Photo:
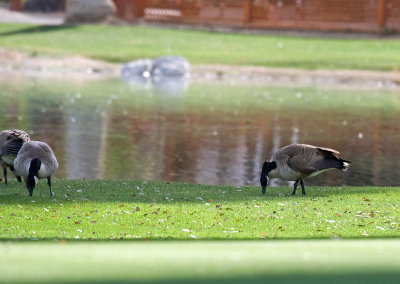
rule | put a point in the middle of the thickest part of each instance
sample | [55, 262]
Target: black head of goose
[35, 161]
[298, 161]
[11, 142]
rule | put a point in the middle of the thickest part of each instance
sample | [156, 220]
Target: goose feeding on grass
[35, 161]
[299, 161]
[11, 142]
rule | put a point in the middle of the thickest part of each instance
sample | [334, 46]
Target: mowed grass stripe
[350, 261]
[118, 209]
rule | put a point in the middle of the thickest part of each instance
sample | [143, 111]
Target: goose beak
[264, 188]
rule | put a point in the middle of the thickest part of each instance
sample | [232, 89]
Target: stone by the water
[170, 66]
[80, 11]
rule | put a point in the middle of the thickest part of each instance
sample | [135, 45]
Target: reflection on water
[209, 134]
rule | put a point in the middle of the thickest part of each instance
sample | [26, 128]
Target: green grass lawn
[107, 231]
[125, 43]
[113, 209]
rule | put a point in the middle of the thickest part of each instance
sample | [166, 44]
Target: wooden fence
[323, 15]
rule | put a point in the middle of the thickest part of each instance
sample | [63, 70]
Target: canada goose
[10, 143]
[35, 161]
[299, 161]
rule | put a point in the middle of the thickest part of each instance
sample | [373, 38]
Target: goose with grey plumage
[299, 161]
[35, 161]
[11, 142]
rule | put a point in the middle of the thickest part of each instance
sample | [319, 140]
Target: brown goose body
[11, 142]
[298, 161]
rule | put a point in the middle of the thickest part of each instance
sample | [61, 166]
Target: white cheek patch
[36, 179]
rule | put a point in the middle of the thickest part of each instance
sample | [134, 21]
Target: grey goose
[298, 161]
[35, 161]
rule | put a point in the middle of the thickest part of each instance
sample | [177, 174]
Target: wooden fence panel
[393, 15]
[334, 15]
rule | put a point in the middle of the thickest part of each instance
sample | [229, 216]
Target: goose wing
[328, 152]
[301, 163]
[11, 148]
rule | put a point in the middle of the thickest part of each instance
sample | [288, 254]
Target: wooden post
[247, 11]
[221, 9]
[141, 5]
[16, 5]
[382, 15]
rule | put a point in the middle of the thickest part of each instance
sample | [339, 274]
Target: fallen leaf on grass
[365, 199]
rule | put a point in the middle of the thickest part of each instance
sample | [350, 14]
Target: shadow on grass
[36, 29]
[168, 193]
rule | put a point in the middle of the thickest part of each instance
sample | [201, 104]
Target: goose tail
[344, 165]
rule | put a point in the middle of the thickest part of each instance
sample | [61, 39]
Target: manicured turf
[125, 43]
[228, 234]
[113, 209]
[321, 261]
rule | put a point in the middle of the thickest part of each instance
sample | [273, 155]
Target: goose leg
[49, 184]
[16, 175]
[295, 187]
[303, 190]
[5, 174]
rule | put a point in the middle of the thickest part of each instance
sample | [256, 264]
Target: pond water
[217, 133]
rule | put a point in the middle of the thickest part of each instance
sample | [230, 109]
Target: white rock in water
[171, 66]
[88, 10]
[168, 74]
[141, 67]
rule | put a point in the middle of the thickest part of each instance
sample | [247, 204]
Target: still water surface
[203, 133]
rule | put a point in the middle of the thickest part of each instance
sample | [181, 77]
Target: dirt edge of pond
[76, 67]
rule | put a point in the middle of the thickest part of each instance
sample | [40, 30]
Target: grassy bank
[111, 209]
[121, 44]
